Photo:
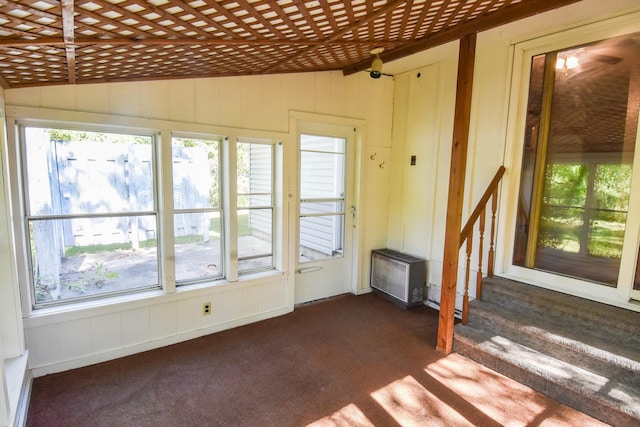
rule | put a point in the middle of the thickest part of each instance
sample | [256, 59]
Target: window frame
[522, 52]
[28, 217]
[272, 206]
[162, 131]
[220, 208]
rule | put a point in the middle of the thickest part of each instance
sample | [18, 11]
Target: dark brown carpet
[346, 361]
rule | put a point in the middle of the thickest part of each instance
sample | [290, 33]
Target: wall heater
[398, 277]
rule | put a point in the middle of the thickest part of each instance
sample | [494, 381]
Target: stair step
[620, 349]
[542, 301]
[561, 337]
[582, 353]
[603, 398]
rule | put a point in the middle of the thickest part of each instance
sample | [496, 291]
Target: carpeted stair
[582, 353]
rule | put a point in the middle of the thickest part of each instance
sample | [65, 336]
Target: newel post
[459, 147]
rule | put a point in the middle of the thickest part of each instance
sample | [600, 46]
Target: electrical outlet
[206, 308]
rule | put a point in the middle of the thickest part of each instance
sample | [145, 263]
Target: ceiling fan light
[376, 68]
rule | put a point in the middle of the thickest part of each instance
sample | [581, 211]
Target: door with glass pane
[578, 208]
[325, 215]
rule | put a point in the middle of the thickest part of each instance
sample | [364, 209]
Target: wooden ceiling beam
[495, 19]
[68, 36]
[3, 83]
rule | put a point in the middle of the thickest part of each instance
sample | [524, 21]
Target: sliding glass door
[577, 206]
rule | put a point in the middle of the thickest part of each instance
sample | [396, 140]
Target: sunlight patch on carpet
[409, 403]
[483, 388]
[350, 415]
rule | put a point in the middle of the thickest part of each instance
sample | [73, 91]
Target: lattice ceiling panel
[51, 42]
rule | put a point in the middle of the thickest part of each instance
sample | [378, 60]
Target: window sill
[86, 309]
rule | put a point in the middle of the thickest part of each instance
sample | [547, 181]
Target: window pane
[322, 237]
[255, 174]
[78, 172]
[321, 175]
[322, 184]
[195, 173]
[197, 235]
[255, 189]
[198, 246]
[255, 239]
[83, 257]
[582, 119]
[322, 143]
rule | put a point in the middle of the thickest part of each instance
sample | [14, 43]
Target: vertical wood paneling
[273, 105]
[181, 100]
[350, 100]
[75, 339]
[273, 295]
[422, 142]
[188, 313]
[249, 99]
[233, 305]
[60, 97]
[229, 105]
[252, 301]
[300, 93]
[106, 333]
[376, 176]
[124, 99]
[44, 345]
[155, 100]
[163, 320]
[93, 98]
[447, 87]
[395, 233]
[324, 85]
[135, 326]
[207, 100]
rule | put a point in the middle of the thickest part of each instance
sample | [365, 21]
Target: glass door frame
[523, 52]
[311, 123]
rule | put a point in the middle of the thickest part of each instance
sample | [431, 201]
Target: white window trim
[523, 50]
[273, 145]
[18, 116]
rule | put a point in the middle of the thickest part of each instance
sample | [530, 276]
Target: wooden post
[458, 168]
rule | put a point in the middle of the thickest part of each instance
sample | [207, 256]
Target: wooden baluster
[480, 250]
[465, 300]
[494, 208]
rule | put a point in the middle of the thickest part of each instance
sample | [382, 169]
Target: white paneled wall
[58, 340]
[423, 121]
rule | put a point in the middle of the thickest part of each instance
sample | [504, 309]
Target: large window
[94, 216]
[91, 213]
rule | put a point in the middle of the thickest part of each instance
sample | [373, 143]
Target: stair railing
[466, 235]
